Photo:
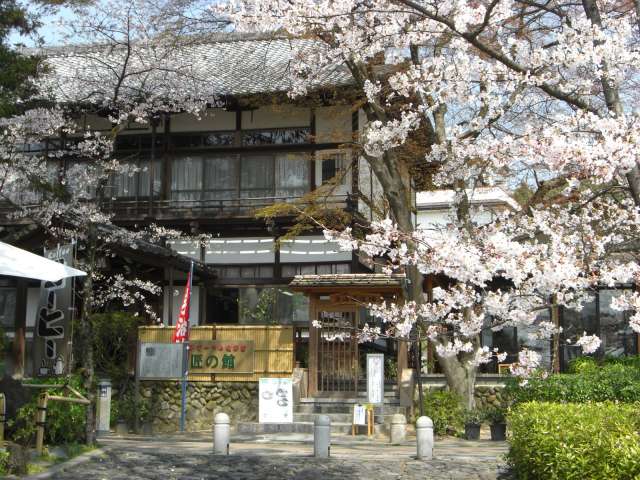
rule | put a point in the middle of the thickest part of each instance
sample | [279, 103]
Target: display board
[359, 415]
[375, 378]
[158, 361]
[275, 400]
[221, 356]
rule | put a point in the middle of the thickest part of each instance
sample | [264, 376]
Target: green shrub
[445, 409]
[611, 382]
[552, 441]
[65, 422]
[124, 408]
[4, 462]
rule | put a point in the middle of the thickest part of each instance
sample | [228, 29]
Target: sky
[50, 31]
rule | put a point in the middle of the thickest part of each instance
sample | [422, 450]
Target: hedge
[590, 383]
[574, 441]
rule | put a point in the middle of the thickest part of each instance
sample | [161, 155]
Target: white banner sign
[276, 400]
[375, 378]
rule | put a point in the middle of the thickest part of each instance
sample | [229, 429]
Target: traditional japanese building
[208, 177]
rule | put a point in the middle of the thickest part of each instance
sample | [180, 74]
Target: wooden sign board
[221, 356]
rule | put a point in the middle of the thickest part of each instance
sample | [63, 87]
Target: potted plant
[497, 423]
[472, 422]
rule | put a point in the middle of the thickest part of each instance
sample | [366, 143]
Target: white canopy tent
[15, 262]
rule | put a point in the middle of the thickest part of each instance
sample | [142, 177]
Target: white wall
[211, 119]
[312, 249]
[333, 124]
[276, 116]
[240, 251]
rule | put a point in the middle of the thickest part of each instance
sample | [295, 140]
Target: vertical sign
[375, 378]
[275, 404]
[52, 342]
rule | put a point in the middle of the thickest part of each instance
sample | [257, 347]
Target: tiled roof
[347, 280]
[226, 64]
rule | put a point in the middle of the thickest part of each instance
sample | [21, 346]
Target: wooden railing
[274, 352]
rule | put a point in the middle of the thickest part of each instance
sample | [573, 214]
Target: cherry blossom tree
[126, 62]
[494, 91]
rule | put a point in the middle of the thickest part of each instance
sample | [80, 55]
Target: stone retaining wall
[485, 396]
[237, 399]
[490, 396]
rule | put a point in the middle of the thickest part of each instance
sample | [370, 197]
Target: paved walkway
[190, 458]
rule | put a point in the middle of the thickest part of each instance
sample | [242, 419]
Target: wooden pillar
[403, 359]
[20, 329]
[41, 418]
[313, 346]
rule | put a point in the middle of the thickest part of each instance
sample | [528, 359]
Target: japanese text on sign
[221, 356]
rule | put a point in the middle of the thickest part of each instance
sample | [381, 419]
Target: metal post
[398, 428]
[322, 436]
[103, 416]
[41, 418]
[424, 438]
[3, 416]
[221, 431]
[183, 396]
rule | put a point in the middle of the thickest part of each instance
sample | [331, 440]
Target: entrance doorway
[337, 352]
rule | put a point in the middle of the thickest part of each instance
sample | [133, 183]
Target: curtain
[221, 177]
[186, 178]
[143, 176]
[256, 176]
[292, 175]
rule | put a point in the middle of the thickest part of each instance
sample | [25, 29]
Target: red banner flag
[181, 332]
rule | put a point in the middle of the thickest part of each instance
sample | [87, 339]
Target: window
[272, 305]
[231, 176]
[222, 305]
[186, 178]
[617, 337]
[331, 166]
[221, 177]
[256, 176]
[292, 175]
[133, 181]
[7, 307]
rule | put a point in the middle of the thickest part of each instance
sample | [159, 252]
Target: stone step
[344, 408]
[253, 428]
[390, 400]
[337, 417]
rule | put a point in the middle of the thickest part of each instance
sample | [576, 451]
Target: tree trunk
[86, 334]
[461, 378]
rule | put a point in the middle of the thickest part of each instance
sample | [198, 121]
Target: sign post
[375, 386]
[375, 378]
[181, 335]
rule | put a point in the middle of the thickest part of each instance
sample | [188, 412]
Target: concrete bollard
[322, 437]
[398, 428]
[221, 432]
[424, 437]
[103, 414]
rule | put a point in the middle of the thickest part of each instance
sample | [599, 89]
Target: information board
[159, 361]
[375, 378]
[276, 400]
[359, 415]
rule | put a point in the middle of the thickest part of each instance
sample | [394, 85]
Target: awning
[15, 262]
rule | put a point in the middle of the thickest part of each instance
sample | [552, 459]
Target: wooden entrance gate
[337, 349]
[335, 304]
